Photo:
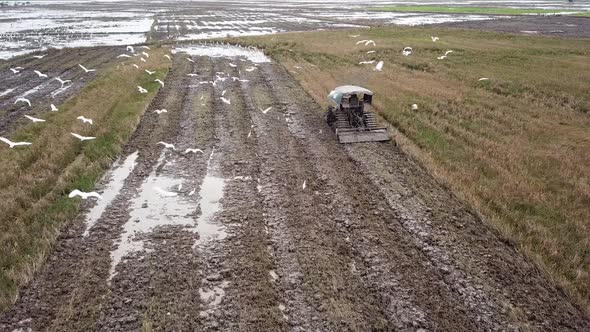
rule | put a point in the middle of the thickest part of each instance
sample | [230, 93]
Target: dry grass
[516, 147]
[35, 180]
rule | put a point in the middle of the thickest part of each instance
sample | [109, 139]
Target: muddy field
[556, 26]
[275, 226]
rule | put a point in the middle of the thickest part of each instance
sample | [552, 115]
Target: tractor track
[371, 242]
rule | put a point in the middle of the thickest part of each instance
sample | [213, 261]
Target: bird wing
[74, 193]
[6, 140]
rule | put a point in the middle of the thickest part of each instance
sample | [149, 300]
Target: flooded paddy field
[58, 24]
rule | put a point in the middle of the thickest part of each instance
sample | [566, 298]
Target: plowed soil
[310, 235]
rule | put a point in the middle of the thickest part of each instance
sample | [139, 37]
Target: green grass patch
[36, 180]
[473, 10]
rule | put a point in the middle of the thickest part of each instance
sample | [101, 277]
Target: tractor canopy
[336, 95]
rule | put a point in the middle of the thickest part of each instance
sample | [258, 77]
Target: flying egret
[141, 90]
[192, 75]
[84, 195]
[130, 49]
[146, 55]
[227, 101]
[83, 138]
[407, 51]
[361, 41]
[145, 47]
[167, 56]
[370, 42]
[371, 52]
[434, 39]
[136, 66]
[250, 69]
[484, 79]
[159, 81]
[190, 60]
[150, 72]
[39, 56]
[24, 100]
[40, 74]
[414, 107]
[232, 65]
[86, 70]
[84, 119]
[266, 110]
[161, 111]
[441, 57]
[13, 144]
[16, 70]
[167, 145]
[449, 51]
[189, 150]
[366, 62]
[34, 119]
[354, 36]
[379, 66]
[304, 185]
[142, 59]
[124, 56]
[62, 81]
[223, 92]
[53, 108]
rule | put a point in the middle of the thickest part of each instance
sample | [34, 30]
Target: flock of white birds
[407, 51]
[53, 108]
[17, 70]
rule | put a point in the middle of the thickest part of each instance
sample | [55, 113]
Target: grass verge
[516, 147]
[473, 10]
[36, 180]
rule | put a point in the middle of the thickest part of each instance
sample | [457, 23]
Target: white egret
[13, 144]
[83, 138]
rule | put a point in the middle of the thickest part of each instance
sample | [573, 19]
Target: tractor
[350, 118]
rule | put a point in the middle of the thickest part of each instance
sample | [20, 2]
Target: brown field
[515, 147]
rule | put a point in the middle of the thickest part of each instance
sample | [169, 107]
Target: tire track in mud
[316, 272]
[155, 285]
[252, 302]
[471, 253]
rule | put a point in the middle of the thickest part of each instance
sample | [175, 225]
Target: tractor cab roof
[336, 95]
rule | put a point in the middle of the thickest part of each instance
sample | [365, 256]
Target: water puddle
[217, 51]
[117, 178]
[162, 202]
[211, 194]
